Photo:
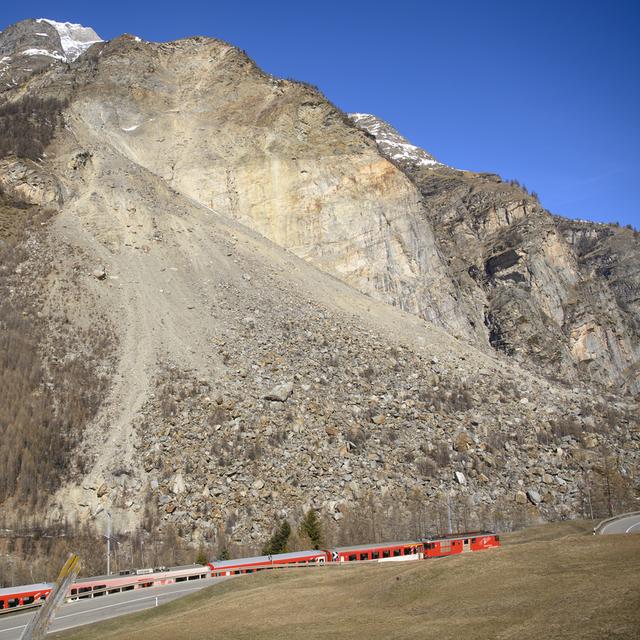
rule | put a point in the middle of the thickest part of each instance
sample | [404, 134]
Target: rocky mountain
[238, 303]
[562, 296]
[32, 45]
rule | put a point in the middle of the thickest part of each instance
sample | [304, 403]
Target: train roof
[24, 588]
[292, 555]
[117, 574]
[459, 536]
[376, 545]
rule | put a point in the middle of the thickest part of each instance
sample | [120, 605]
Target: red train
[436, 547]
[459, 543]
[31, 595]
[13, 598]
[27, 595]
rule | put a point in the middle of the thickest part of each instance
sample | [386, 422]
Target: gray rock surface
[280, 392]
[559, 295]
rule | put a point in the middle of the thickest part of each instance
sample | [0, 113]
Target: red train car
[377, 551]
[460, 543]
[15, 597]
[258, 563]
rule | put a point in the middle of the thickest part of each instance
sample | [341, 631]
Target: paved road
[629, 524]
[81, 612]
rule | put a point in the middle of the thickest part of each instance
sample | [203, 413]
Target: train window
[364, 556]
[466, 540]
[13, 602]
[375, 555]
[396, 553]
[27, 600]
[407, 551]
[473, 540]
[386, 553]
[1, 604]
[352, 557]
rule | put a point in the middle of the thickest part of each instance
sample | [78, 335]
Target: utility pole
[588, 488]
[108, 543]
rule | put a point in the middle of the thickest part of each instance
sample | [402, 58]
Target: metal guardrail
[24, 607]
[598, 529]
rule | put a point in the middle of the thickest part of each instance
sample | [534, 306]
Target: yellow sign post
[37, 628]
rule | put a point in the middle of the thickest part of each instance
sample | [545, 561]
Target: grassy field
[556, 581]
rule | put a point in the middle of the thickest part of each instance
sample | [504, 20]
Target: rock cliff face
[300, 318]
[205, 119]
[560, 295]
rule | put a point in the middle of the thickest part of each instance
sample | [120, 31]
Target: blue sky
[545, 92]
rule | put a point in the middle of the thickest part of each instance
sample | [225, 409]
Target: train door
[465, 545]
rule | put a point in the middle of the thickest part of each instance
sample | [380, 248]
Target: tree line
[28, 125]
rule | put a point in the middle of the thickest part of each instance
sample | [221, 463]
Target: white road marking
[118, 604]
[22, 626]
[633, 526]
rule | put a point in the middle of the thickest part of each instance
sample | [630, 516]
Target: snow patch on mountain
[393, 145]
[74, 38]
[42, 52]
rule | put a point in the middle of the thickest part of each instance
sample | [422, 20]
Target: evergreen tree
[224, 554]
[201, 558]
[311, 528]
[278, 541]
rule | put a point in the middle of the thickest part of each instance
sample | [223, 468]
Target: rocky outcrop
[555, 294]
[274, 155]
[391, 144]
[25, 181]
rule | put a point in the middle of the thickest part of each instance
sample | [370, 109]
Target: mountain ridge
[292, 318]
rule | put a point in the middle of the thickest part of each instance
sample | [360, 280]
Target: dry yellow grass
[562, 583]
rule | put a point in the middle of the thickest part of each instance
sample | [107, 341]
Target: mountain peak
[391, 143]
[34, 45]
[44, 39]
[75, 39]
